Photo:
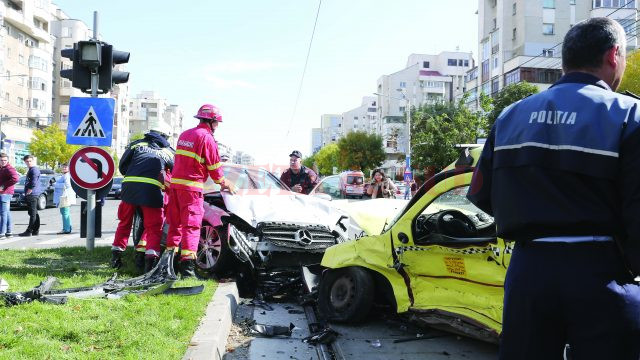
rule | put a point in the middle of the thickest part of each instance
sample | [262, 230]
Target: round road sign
[91, 168]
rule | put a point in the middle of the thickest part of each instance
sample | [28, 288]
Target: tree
[50, 146]
[631, 79]
[437, 128]
[327, 159]
[136, 136]
[360, 151]
[507, 96]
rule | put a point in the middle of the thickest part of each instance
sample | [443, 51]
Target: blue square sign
[90, 121]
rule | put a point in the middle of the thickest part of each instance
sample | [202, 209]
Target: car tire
[137, 227]
[346, 294]
[213, 256]
[42, 202]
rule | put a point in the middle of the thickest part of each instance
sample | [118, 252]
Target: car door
[448, 269]
[330, 186]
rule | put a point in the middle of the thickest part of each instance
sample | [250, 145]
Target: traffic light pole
[91, 194]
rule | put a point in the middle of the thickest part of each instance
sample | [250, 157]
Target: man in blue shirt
[32, 191]
[560, 174]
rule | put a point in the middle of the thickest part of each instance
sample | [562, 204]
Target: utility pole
[91, 194]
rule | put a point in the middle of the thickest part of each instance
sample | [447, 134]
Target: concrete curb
[210, 339]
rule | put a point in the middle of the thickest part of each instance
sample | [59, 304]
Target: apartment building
[243, 158]
[316, 140]
[173, 116]
[331, 125]
[26, 49]
[426, 79]
[363, 118]
[520, 40]
[146, 110]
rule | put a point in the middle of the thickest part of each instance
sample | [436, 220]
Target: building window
[401, 109]
[403, 84]
[611, 3]
[513, 34]
[549, 4]
[548, 52]
[495, 63]
[495, 85]
[495, 23]
[21, 59]
[572, 2]
[547, 29]
[20, 102]
[514, 9]
[425, 64]
[485, 71]
[466, 63]
[452, 62]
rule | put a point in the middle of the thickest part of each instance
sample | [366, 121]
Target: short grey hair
[587, 41]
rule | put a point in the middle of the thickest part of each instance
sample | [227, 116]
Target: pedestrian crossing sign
[90, 121]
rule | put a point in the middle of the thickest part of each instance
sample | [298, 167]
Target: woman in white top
[64, 197]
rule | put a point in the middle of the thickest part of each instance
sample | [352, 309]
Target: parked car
[44, 200]
[265, 226]
[116, 188]
[437, 261]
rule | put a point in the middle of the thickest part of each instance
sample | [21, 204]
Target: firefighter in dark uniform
[144, 165]
[560, 172]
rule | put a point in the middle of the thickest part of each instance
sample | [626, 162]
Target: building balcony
[17, 18]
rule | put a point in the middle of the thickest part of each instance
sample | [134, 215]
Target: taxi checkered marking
[468, 251]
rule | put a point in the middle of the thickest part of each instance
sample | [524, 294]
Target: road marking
[56, 241]
[13, 239]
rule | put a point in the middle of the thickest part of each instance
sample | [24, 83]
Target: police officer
[559, 173]
[143, 165]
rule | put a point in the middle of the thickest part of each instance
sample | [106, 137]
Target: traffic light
[108, 76]
[94, 57]
[79, 75]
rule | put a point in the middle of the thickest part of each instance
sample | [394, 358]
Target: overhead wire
[304, 70]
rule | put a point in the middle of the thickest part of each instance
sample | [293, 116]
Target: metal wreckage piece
[158, 280]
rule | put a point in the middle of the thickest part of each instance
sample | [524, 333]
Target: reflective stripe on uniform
[187, 182]
[143, 180]
[214, 166]
[116, 248]
[139, 144]
[190, 154]
[219, 181]
[170, 248]
[188, 254]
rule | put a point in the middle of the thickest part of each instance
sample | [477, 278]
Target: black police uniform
[560, 172]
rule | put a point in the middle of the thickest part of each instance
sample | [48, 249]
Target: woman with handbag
[64, 197]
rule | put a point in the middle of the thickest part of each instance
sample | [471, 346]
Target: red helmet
[209, 112]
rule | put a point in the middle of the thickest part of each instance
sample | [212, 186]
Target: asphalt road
[51, 223]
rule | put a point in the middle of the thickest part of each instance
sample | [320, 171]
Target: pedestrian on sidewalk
[143, 165]
[559, 173]
[8, 178]
[64, 197]
[32, 190]
[197, 159]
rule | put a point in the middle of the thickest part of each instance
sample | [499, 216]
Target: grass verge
[134, 327]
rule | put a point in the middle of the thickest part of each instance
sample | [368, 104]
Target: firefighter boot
[149, 263]
[138, 259]
[188, 268]
[116, 259]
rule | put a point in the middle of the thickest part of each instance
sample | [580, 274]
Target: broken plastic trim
[157, 281]
[272, 330]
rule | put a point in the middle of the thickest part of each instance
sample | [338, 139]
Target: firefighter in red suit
[196, 159]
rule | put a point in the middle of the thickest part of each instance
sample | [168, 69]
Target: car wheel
[346, 294]
[42, 202]
[213, 255]
[138, 226]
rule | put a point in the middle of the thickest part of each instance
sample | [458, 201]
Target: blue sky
[247, 57]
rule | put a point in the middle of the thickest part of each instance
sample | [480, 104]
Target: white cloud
[245, 66]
